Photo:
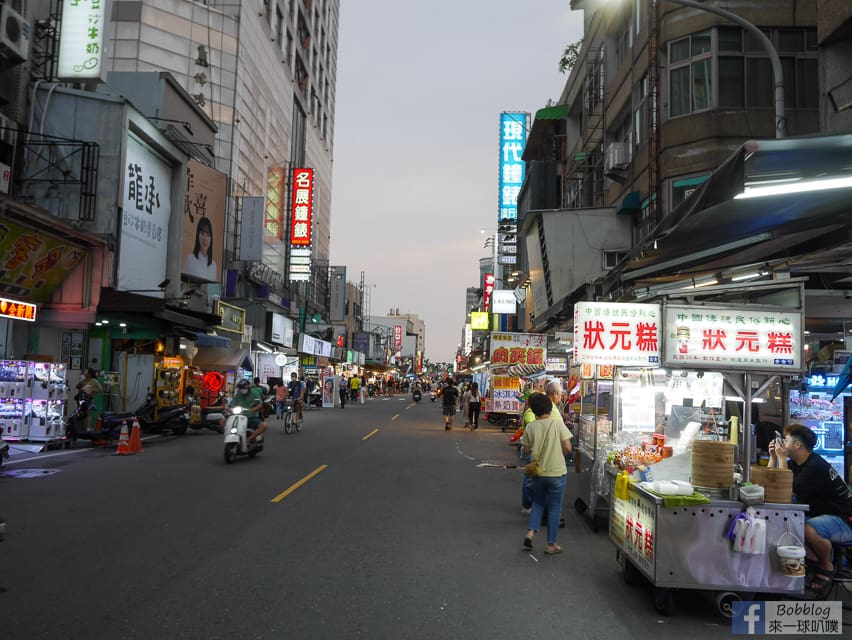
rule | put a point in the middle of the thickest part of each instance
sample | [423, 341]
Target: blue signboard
[513, 139]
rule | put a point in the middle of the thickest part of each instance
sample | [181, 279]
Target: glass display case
[32, 400]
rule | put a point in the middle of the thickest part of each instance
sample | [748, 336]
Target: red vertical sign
[397, 337]
[302, 209]
[487, 290]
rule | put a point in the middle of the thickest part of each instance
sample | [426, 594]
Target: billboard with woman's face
[203, 223]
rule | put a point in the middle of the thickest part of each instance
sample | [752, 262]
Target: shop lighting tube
[798, 187]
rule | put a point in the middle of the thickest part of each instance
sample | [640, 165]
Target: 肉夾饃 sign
[617, 333]
[233, 318]
[519, 349]
[733, 338]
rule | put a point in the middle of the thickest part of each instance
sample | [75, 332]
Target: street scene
[336, 319]
[412, 531]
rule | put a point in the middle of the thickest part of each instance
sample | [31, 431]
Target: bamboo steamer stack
[713, 464]
[777, 483]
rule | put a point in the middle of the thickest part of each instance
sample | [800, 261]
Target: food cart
[707, 358]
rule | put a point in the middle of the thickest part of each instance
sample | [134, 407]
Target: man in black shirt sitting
[817, 484]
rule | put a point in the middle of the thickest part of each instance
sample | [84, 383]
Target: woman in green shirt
[547, 440]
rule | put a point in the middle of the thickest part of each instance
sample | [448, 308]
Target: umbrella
[844, 380]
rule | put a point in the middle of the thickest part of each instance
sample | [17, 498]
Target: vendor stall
[673, 469]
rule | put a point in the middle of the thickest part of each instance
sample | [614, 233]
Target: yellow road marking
[371, 434]
[298, 484]
[395, 417]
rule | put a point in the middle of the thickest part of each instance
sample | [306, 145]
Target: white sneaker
[525, 511]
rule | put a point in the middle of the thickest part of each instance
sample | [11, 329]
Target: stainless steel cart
[686, 548]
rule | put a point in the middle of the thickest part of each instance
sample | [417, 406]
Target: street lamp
[777, 71]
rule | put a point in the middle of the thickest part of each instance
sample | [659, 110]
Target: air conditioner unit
[615, 156]
[15, 35]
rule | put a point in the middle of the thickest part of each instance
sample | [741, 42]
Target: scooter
[107, 429]
[415, 395]
[174, 419]
[236, 437]
[433, 395]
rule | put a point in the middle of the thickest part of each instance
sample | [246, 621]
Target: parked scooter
[107, 429]
[211, 417]
[173, 419]
[236, 437]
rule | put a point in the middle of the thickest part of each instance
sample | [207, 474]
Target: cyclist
[297, 393]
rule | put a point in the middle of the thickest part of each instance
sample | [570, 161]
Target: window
[682, 188]
[612, 258]
[640, 112]
[690, 74]
[741, 77]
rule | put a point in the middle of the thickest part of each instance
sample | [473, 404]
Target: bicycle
[292, 418]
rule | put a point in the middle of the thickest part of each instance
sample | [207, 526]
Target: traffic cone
[136, 437]
[123, 442]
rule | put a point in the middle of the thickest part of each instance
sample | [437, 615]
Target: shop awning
[115, 301]
[783, 199]
[548, 122]
[210, 340]
[375, 365]
[220, 359]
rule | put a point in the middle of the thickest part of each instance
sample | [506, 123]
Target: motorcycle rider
[251, 402]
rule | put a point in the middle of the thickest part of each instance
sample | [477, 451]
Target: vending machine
[812, 406]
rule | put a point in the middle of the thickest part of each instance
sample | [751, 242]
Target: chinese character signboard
[487, 290]
[203, 222]
[303, 202]
[633, 528]
[251, 228]
[82, 39]
[733, 338]
[504, 395]
[523, 354]
[273, 213]
[17, 310]
[233, 318]
[146, 209]
[32, 263]
[513, 139]
[397, 338]
[617, 333]
[479, 320]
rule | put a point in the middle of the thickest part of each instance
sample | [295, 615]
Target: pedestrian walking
[473, 401]
[281, 393]
[343, 390]
[449, 400]
[547, 440]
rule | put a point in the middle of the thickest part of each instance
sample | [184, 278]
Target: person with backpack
[449, 400]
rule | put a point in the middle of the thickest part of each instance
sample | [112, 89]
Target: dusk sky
[420, 88]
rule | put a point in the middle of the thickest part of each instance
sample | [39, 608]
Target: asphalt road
[410, 533]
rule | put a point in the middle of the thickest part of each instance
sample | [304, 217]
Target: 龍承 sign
[617, 333]
[755, 338]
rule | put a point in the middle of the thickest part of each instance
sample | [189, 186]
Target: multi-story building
[659, 98]
[241, 92]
